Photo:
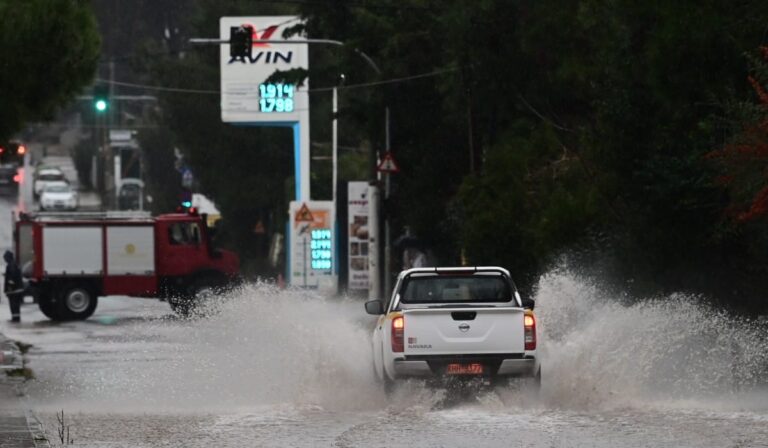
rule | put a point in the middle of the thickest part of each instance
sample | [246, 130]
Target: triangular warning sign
[304, 215]
[388, 164]
[259, 228]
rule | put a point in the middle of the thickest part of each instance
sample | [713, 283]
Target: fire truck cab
[71, 259]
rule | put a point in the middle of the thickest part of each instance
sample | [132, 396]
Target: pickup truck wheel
[77, 303]
[535, 382]
[389, 387]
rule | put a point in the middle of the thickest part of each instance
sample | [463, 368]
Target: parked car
[44, 176]
[58, 195]
[129, 194]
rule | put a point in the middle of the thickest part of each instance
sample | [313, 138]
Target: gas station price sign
[312, 242]
[276, 97]
[322, 253]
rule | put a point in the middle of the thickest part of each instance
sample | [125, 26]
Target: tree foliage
[555, 123]
[49, 51]
[532, 126]
[744, 160]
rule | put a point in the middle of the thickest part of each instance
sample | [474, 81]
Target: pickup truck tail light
[398, 332]
[529, 323]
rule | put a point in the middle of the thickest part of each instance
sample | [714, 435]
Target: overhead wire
[314, 90]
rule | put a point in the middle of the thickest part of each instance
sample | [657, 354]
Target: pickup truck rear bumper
[429, 367]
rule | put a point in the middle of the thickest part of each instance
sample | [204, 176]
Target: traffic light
[240, 41]
[101, 98]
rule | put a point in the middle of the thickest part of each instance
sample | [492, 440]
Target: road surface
[285, 368]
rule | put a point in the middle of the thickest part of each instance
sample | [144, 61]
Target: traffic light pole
[110, 120]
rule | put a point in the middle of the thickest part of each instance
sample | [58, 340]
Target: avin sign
[248, 99]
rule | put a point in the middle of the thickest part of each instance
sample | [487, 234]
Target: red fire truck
[73, 258]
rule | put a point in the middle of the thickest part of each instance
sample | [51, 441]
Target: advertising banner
[357, 207]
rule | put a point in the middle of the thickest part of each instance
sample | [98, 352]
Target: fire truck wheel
[77, 303]
[47, 307]
[182, 307]
[205, 289]
[203, 294]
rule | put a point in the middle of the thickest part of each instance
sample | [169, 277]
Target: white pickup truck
[455, 324]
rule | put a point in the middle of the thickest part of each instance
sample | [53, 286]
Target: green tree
[539, 125]
[561, 120]
[49, 51]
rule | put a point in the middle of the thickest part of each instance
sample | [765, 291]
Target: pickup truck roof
[448, 271]
[455, 270]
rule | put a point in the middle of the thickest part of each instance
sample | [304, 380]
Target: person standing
[14, 286]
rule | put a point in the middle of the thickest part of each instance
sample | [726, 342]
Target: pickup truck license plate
[464, 369]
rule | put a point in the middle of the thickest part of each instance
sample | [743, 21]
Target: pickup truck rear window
[455, 289]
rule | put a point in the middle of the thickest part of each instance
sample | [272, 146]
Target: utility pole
[335, 142]
[387, 237]
[335, 139]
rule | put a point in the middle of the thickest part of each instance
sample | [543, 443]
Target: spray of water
[598, 351]
[287, 348]
[268, 346]
[262, 347]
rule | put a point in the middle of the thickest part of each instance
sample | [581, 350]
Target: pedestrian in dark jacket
[14, 286]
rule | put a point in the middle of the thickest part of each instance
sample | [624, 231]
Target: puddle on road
[267, 347]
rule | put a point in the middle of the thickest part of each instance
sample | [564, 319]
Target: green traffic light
[101, 105]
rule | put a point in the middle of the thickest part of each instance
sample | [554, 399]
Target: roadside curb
[19, 427]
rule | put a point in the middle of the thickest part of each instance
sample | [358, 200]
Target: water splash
[266, 347]
[597, 350]
[263, 346]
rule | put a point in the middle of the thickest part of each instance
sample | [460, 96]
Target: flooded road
[286, 368]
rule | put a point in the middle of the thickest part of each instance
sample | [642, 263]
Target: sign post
[388, 165]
